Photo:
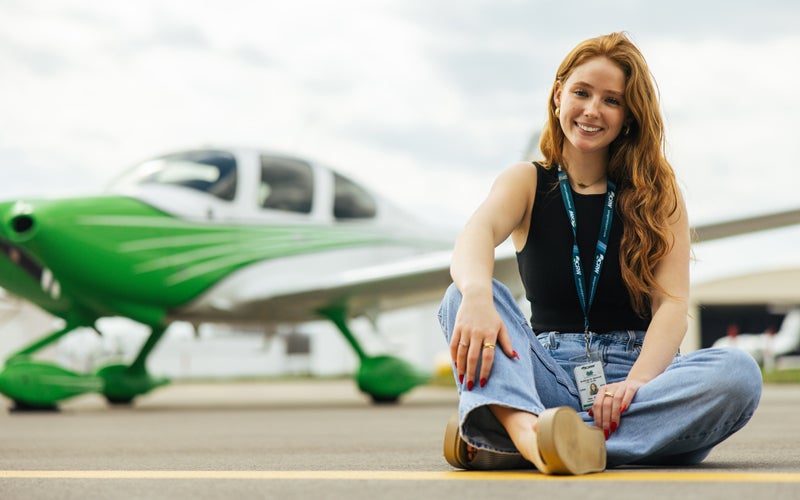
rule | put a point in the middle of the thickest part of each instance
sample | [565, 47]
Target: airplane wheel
[23, 407]
[120, 401]
[384, 400]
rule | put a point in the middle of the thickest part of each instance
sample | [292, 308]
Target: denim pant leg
[532, 383]
[700, 400]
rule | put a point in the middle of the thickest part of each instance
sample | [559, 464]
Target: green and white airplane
[237, 236]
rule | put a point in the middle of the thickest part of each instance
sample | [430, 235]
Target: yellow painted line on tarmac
[366, 475]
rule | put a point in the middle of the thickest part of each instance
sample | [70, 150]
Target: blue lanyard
[600, 250]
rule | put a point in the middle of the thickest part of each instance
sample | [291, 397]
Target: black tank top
[546, 270]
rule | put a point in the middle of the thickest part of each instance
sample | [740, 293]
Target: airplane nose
[21, 226]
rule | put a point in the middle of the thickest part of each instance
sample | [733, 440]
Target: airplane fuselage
[169, 246]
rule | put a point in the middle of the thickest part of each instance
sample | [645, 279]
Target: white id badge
[590, 377]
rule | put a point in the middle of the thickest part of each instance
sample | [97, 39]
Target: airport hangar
[754, 303]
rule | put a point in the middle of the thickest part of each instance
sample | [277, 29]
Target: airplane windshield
[213, 172]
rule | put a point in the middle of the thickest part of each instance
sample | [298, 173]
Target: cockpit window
[351, 200]
[213, 172]
[286, 184]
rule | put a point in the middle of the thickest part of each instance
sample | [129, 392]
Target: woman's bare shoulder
[521, 171]
[515, 191]
[523, 166]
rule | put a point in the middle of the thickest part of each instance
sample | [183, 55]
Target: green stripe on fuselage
[118, 255]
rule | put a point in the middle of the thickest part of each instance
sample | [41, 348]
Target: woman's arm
[504, 211]
[669, 308]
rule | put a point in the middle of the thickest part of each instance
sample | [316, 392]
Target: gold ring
[610, 394]
[463, 344]
[488, 345]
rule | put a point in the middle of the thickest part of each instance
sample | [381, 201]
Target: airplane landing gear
[39, 385]
[384, 378]
[36, 385]
[123, 383]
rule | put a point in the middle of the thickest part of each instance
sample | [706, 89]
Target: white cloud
[424, 105]
[729, 122]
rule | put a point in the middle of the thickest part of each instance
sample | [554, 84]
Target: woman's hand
[478, 330]
[611, 402]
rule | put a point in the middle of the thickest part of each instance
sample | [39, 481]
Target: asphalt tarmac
[322, 439]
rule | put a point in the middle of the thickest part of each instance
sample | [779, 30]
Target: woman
[602, 240]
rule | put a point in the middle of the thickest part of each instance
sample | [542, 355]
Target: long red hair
[647, 191]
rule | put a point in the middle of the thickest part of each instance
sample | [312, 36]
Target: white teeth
[588, 129]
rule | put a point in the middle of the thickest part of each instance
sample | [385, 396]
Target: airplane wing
[718, 230]
[403, 283]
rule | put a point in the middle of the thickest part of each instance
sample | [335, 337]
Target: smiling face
[592, 107]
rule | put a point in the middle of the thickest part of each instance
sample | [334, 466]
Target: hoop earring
[626, 130]
[557, 112]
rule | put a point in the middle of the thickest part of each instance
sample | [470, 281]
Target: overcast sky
[423, 101]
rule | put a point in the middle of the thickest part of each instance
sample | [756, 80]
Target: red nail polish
[460, 378]
[605, 431]
[483, 382]
[469, 385]
[591, 412]
[515, 354]
[623, 408]
[613, 426]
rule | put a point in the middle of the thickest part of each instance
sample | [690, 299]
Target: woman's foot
[567, 445]
[557, 441]
[463, 456]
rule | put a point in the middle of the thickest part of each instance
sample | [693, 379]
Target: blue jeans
[675, 419]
